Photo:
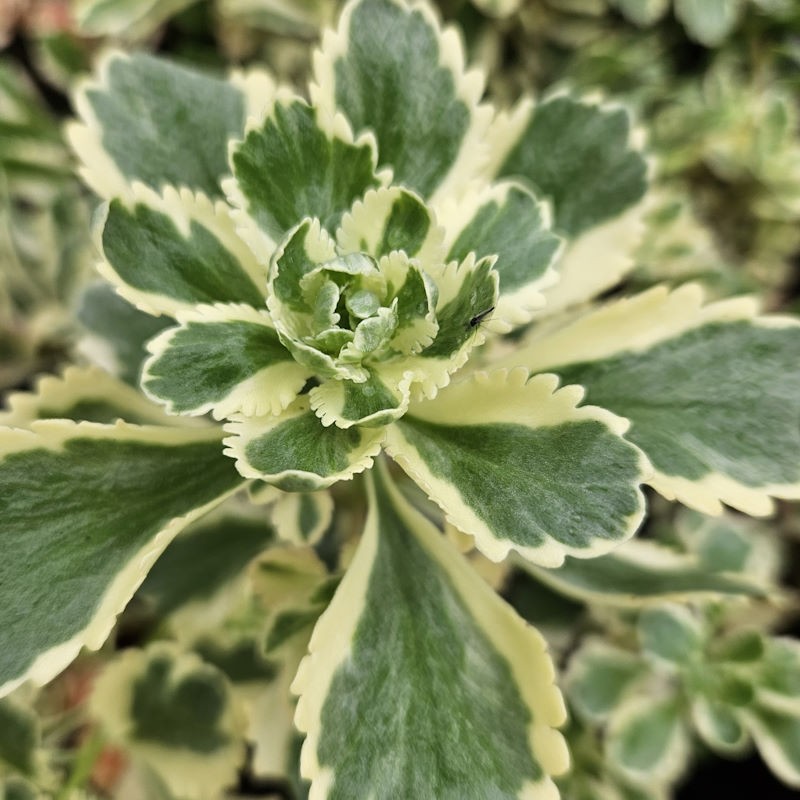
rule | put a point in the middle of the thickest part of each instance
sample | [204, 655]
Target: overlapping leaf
[411, 616]
[711, 391]
[520, 466]
[74, 552]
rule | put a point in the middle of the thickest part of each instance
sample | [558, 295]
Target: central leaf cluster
[342, 315]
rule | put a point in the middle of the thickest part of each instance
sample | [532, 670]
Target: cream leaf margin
[60, 393]
[648, 555]
[85, 135]
[469, 88]
[53, 435]
[533, 401]
[183, 207]
[268, 391]
[187, 773]
[522, 646]
[634, 324]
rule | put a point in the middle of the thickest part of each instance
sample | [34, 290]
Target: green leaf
[599, 677]
[167, 253]
[778, 678]
[471, 718]
[709, 21]
[391, 70]
[718, 726]
[291, 168]
[647, 741]
[149, 120]
[302, 517]
[508, 221]
[518, 465]
[74, 550]
[296, 453]
[390, 219]
[176, 714]
[222, 359]
[82, 394]
[373, 403]
[670, 633]
[204, 558]
[777, 737]
[19, 737]
[131, 19]
[580, 157]
[642, 12]
[712, 392]
[641, 572]
[117, 331]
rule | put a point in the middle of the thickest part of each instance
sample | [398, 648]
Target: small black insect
[478, 318]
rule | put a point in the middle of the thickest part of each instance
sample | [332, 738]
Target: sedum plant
[390, 284]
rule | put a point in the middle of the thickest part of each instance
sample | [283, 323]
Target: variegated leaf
[777, 737]
[647, 740]
[374, 402]
[130, 19]
[584, 159]
[473, 718]
[640, 573]
[116, 331]
[390, 219]
[149, 120]
[599, 677]
[176, 714]
[467, 292]
[295, 452]
[579, 156]
[778, 678]
[508, 221]
[166, 253]
[82, 394]
[719, 726]
[302, 517]
[392, 70]
[518, 465]
[74, 551]
[291, 168]
[222, 359]
[712, 392]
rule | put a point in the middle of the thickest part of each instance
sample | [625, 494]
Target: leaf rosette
[330, 267]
